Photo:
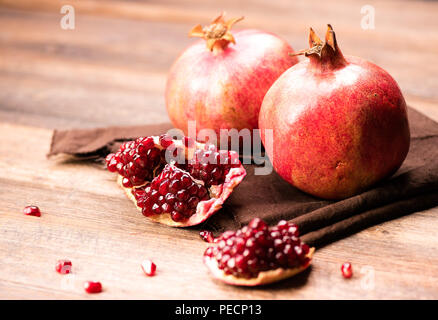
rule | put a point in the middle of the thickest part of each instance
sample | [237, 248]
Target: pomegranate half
[258, 254]
[179, 183]
[339, 122]
[221, 84]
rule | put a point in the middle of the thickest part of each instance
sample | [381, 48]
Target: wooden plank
[87, 219]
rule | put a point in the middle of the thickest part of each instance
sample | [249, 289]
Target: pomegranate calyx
[323, 55]
[217, 34]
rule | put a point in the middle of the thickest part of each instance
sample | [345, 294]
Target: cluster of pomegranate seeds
[347, 270]
[92, 286]
[136, 160]
[172, 191]
[148, 267]
[174, 188]
[257, 247]
[207, 236]
[32, 211]
[63, 266]
[211, 166]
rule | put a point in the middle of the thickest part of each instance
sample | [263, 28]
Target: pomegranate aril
[156, 208]
[257, 224]
[148, 267]
[109, 157]
[201, 191]
[207, 236]
[92, 286]
[182, 195]
[164, 186]
[63, 266]
[180, 207]
[165, 140]
[175, 186]
[148, 142]
[111, 162]
[170, 198]
[193, 189]
[177, 216]
[347, 270]
[138, 192]
[193, 202]
[126, 183]
[32, 211]
[147, 211]
[186, 181]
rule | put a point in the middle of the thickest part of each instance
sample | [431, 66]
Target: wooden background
[111, 70]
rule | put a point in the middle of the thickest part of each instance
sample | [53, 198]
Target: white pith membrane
[263, 277]
[205, 208]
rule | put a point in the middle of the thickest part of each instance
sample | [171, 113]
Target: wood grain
[114, 65]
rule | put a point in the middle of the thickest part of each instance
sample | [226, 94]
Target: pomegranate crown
[217, 34]
[326, 54]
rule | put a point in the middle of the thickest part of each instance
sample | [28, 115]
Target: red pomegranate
[339, 122]
[179, 183]
[221, 85]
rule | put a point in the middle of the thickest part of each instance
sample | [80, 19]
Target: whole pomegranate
[221, 84]
[339, 122]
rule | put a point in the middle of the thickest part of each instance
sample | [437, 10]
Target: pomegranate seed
[347, 270]
[207, 236]
[165, 140]
[32, 211]
[63, 266]
[92, 287]
[148, 267]
[126, 183]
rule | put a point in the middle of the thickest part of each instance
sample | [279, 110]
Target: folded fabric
[414, 187]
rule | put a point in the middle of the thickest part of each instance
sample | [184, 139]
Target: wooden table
[111, 70]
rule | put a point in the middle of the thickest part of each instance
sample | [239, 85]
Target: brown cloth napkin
[413, 188]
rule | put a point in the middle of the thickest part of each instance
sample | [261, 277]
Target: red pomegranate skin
[224, 89]
[338, 128]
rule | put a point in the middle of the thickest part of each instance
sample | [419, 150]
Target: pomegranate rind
[263, 278]
[205, 209]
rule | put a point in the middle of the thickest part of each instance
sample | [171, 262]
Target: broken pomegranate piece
[258, 254]
[176, 182]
